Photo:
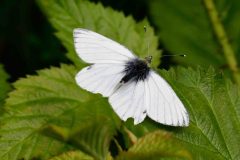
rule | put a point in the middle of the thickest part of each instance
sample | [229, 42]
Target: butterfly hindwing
[100, 78]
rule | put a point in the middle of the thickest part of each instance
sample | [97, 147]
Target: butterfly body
[133, 89]
[135, 70]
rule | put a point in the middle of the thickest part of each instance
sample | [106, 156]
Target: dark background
[27, 41]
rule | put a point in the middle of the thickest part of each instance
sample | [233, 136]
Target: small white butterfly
[134, 90]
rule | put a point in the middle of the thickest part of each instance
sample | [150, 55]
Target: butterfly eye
[148, 59]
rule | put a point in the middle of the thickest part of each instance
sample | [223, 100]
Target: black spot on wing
[89, 67]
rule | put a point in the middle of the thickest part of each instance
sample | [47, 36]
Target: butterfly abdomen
[135, 70]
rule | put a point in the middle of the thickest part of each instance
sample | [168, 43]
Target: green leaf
[4, 86]
[155, 145]
[214, 107]
[92, 137]
[73, 155]
[65, 15]
[186, 27]
[51, 97]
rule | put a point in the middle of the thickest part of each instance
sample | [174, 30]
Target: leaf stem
[118, 145]
[131, 136]
[222, 38]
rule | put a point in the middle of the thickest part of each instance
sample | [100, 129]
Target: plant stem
[222, 38]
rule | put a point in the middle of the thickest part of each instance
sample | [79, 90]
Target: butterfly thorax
[135, 70]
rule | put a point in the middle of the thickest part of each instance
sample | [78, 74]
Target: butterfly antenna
[174, 55]
[145, 30]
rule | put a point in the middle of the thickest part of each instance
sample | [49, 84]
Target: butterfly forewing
[163, 104]
[128, 101]
[95, 48]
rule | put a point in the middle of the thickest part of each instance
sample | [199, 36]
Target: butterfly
[133, 89]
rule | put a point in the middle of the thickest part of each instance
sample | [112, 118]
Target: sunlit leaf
[51, 97]
[156, 145]
[93, 137]
[65, 15]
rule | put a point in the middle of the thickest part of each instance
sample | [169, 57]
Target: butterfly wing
[128, 101]
[95, 48]
[153, 97]
[163, 105]
[100, 78]
[108, 59]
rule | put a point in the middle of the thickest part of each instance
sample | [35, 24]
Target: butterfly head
[148, 59]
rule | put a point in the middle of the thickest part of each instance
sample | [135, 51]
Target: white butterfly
[134, 90]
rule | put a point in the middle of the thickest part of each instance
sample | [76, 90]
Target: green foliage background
[47, 116]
